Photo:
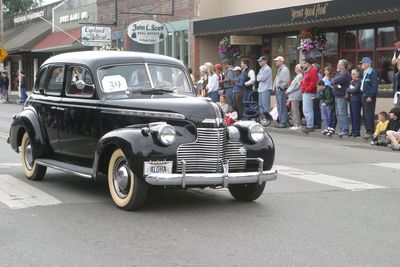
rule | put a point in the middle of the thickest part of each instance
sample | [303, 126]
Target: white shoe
[294, 128]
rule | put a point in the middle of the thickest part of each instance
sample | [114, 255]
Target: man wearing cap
[281, 83]
[264, 79]
[369, 89]
[308, 89]
[396, 66]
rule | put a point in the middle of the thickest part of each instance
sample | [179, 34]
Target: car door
[46, 99]
[79, 130]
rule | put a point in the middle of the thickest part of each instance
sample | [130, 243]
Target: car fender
[137, 147]
[28, 120]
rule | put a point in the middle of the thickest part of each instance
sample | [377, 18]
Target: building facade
[352, 29]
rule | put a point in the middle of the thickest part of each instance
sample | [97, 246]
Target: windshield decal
[114, 83]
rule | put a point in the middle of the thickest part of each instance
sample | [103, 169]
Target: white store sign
[74, 17]
[147, 31]
[95, 36]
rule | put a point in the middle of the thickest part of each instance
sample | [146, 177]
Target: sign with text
[3, 54]
[147, 31]
[95, 36]
[246, 40]
[28, 17]
[313, 12]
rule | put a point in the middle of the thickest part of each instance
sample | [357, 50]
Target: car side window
[40, 81]
[56, 81]
[80, 82]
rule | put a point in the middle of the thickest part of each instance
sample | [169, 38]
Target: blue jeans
[341, 114]
[264, 101]
[229, 96]
[308, 109]
[24, 96]
[355, 116]
[214, 96]
[281, 105]
[327, 116]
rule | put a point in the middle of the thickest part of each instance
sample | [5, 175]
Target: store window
[366, 39]
[175, 45]
[286, 47]
[386, 37]
[331, 52]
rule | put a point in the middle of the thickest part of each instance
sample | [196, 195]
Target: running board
[65, 167]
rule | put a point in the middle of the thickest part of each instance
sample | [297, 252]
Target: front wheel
[127, 190]
[32, 170]
[246, 192]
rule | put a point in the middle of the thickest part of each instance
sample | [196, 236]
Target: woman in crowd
[294, 96]
[212, 86]
[353, 94]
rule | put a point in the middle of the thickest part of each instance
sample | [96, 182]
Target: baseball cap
[237, 68]
[279, 58]
[366, 60]
[262, 58]
[218, 66]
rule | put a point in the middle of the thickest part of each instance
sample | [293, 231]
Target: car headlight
[256, 132]
[233, 133]
[166, 134]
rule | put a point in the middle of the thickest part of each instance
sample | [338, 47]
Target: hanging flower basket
[311, 41]
[226, 50]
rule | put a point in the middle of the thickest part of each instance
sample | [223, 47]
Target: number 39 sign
[114, 83]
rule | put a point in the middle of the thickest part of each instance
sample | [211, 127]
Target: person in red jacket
[309, 88]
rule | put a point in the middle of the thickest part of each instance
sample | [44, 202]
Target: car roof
[96, 59]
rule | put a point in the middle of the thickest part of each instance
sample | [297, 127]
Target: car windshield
[123, 81]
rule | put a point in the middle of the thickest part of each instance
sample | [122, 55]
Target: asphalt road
[335, 203]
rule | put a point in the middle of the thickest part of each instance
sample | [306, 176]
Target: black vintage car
[134, 118]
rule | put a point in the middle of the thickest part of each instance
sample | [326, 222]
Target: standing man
[369, 89]
[396, 66]
[308, 89]
[264, 79]
[2, 90]
[228, 84]
[249, 78]
[340, 83]
[281, 83]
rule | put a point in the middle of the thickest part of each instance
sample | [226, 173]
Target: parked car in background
[134, 119]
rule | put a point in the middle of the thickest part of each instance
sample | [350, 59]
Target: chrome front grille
[208, 152]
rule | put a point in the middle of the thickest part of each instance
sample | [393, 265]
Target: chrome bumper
[184, 179]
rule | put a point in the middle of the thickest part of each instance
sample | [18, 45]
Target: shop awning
[24, 37]
[329, 13]
[60, 41]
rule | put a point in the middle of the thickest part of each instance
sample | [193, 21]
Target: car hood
[199, 110]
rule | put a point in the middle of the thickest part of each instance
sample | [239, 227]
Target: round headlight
[256, 132]
[234, 134]
[166, 134]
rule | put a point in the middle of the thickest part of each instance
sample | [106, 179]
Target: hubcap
[121, 178]
[28, 155]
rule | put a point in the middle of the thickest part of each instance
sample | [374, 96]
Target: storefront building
[68, 19]
[22, 32]
[351, 29]
[177, 16]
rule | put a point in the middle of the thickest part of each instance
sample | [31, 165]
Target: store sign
[147, 31]
[28, 17]
[313, 12]
[74, 17]
[95, 36]
[246, 40]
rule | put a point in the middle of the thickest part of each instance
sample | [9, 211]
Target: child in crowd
[231, 117]
[394, 137]
[394, 122]
[380, 128]
[327, 106]
[222, 103]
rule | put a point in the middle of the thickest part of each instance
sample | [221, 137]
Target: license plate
[151, 167]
